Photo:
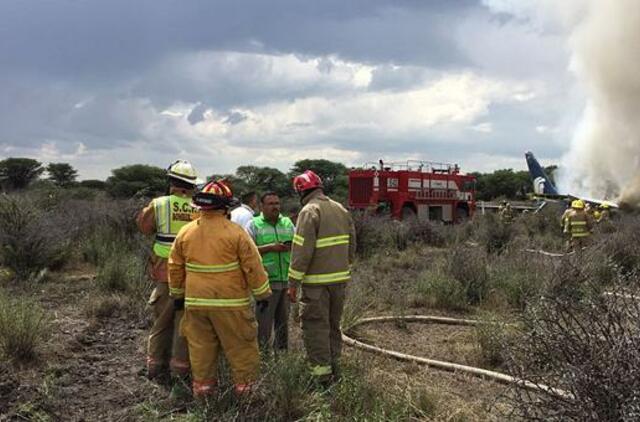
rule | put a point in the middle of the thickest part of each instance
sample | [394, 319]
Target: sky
[102, 84]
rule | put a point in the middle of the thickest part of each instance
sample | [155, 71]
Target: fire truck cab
[422, 189]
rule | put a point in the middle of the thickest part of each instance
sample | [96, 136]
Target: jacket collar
[316, 194]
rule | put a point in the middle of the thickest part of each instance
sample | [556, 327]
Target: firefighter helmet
[604, 206]
[577, 204]
[184, 171]
[306, 181]
[214, 195]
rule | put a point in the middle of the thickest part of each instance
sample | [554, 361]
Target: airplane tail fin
[542, 185]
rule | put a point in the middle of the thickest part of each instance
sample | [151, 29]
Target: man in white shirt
[245, 212]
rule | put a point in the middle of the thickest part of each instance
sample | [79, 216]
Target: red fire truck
[427, 190]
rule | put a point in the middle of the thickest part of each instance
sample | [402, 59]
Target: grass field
[73, 322]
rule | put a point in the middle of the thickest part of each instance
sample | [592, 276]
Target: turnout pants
[232, 332]
[320, 314]
[275, 318]
[165, 346]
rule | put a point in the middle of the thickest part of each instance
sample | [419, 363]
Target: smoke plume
[604, 158]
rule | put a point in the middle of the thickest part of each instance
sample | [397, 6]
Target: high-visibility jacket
[577, 224]
[324, 243]
[275, 263]
[215, 265]
[171, 213]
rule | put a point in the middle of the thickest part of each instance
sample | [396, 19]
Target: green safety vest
[172, 213]
[275, 263]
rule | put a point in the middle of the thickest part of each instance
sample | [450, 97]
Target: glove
[293, 294]
[178, 304]
[262, 305]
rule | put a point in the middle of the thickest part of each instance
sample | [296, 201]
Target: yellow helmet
[604, 206]
[183, 170]
[577, 204]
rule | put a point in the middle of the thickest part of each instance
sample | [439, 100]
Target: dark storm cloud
[104, 39]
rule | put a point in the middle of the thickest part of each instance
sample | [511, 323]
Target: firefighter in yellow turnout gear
[164, 217]
[577, 225]
[323, 250]
[214, 268]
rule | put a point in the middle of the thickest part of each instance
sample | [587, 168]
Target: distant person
[272, 232]
[164, 217]
[247, 209]
[214, 269]
[578, 226]
[324, 246]
[505, 212]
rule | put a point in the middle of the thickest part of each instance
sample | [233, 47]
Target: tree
[18, 173]
[94, 184]
[62, 174]
[333, 174]
[137, 179]
[502, 183]
[264, 179]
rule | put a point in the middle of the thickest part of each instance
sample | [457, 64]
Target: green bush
[493, 336]
[23, 328]
[494, 235]
[122, 272]
[31, 239]
[441, 290]
[469, 267]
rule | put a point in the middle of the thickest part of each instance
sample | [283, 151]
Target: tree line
[139, 180]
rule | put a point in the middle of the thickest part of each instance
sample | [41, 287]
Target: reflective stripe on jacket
[214, 264]
[577, 224]
[275, 263]
[172, 213]
[324, 243]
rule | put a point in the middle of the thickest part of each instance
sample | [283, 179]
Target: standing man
[324, 246]
[164, 217]
[578, 225]
[273, 234]
[214, 268]
[245, 212]
[505, 212]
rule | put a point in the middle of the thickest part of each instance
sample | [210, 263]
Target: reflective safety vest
[172, 213]
[275, 263]
[576, 225]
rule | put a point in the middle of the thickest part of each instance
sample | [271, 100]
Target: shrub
[493, 336]
[376, 233]
[494, 235]
[23, 328]
[583, 342]
[31, 239]
[122, 272]
[441, 290]
[469, 267]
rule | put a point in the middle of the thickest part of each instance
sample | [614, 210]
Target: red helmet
[305, 181]
[213, 196]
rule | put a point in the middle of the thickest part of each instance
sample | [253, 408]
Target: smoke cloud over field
[604, 159]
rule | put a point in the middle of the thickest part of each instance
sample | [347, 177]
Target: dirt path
[89, 370]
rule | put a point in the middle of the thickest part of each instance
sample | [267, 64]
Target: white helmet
[183, 170]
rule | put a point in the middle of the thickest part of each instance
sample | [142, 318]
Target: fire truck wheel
[408, 214]
[462, 214]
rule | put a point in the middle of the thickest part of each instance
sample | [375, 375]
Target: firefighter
[164, 217]
[214, 268]
[605, 213]
[578, 225]
[505, 212]
[273, 234]
[323, 249]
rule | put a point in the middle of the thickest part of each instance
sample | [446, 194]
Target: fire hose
[442, 365]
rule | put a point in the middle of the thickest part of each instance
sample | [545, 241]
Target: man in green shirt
[272, 232]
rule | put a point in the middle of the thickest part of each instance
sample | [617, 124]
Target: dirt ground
[90, 369]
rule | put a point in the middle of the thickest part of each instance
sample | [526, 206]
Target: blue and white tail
[542, 185]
